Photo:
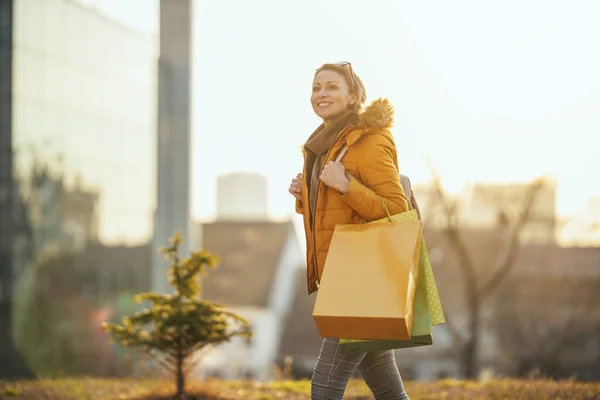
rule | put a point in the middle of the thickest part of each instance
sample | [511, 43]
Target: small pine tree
[177, 325]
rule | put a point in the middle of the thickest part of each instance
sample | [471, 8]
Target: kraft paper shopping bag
[369, 281]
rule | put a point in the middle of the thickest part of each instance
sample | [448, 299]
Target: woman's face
[330, 95]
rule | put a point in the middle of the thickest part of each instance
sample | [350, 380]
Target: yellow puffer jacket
[371, 159]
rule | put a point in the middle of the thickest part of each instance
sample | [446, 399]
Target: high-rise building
[78, 162]
[174, 137]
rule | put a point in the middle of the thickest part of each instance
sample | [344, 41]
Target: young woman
[349, 192]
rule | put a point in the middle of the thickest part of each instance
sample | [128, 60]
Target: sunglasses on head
[344, 64]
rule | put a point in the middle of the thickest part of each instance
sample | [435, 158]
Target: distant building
[550, 302]
[486, 204]
[583, 228]
[256, 277]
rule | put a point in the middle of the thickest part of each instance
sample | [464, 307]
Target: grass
[125, 389]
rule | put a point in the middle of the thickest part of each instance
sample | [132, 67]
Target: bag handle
[342, 153]
[339, 158]
[387, 213]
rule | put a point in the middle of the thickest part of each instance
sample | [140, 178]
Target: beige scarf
[317, 146]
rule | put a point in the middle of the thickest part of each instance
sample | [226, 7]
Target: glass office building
[78, 177]
[84, 104]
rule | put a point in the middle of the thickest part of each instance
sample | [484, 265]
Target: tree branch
[453, 234]
[508, 254]
[165, 364]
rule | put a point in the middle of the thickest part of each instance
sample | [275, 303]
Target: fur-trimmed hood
[376, 117]
[379, 114]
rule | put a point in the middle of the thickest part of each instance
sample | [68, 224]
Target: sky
[489, 91]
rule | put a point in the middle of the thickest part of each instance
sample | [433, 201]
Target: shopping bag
[369, 281]
[428, 310]
[421, 330]
[434, 305]
[433, 298]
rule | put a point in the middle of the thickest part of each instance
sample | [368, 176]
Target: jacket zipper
[314, 236]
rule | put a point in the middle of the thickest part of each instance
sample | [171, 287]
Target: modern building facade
[78, 172]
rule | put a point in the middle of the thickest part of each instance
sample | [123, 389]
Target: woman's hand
[296, 187]
[334, 176]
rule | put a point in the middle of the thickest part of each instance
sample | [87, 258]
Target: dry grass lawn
[123, 389]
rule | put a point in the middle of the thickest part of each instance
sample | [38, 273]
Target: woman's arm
[380, 179]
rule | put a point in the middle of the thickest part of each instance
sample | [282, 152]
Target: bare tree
[478, 287]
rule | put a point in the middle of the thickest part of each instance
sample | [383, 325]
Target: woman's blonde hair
[354, 82]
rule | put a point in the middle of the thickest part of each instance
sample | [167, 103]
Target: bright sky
[491, 91]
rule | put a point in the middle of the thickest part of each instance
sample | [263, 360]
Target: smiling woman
[336, 89]
[350, 193]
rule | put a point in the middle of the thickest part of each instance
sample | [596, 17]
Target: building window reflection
[83, 137]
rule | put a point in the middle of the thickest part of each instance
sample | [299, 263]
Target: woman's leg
[380, 372]
[333, 371]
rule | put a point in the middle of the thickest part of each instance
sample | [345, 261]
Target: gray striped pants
[334, 368]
